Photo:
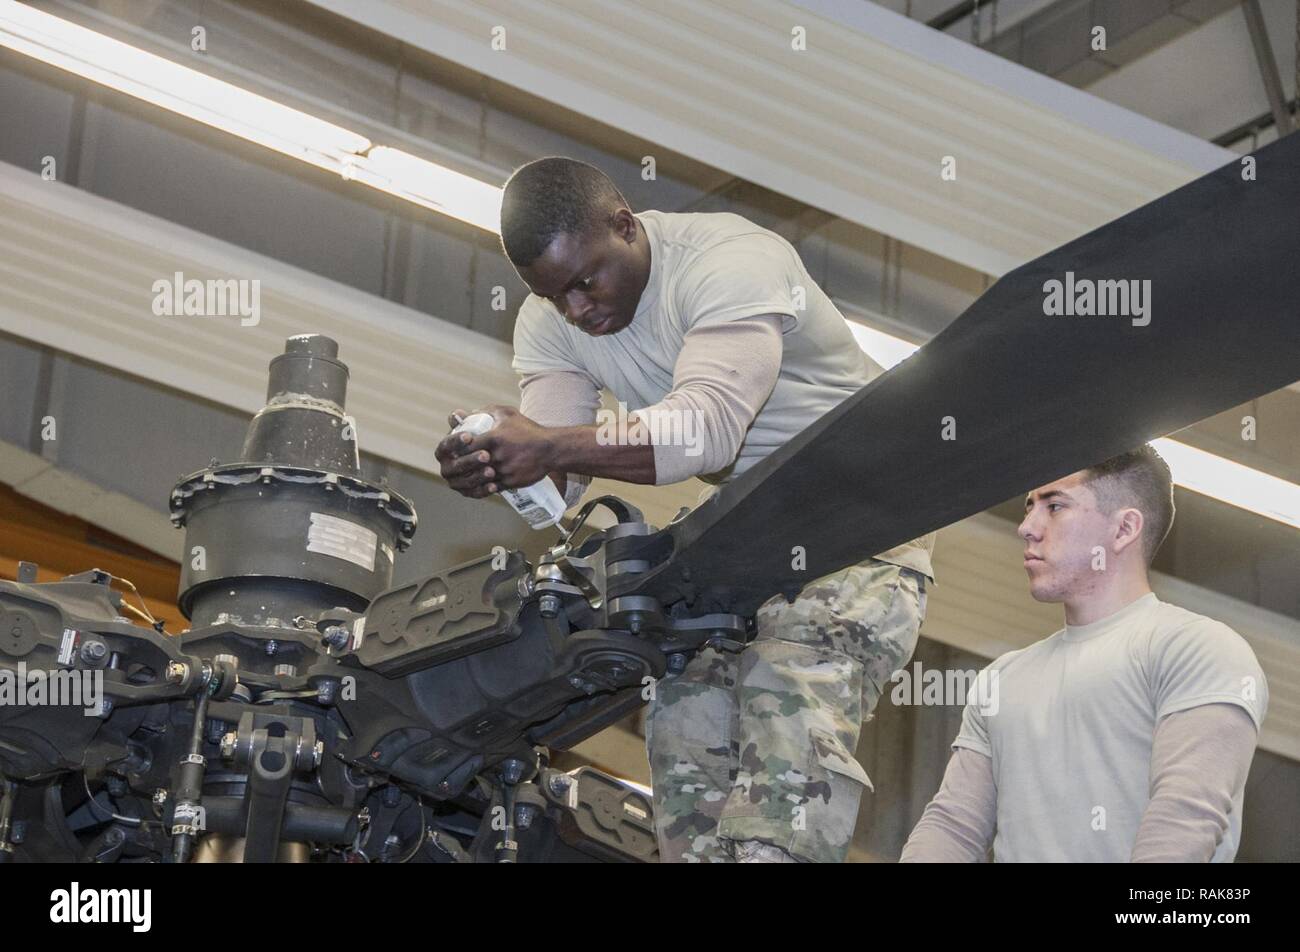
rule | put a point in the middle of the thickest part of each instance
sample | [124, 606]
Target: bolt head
[228, 741]
[560, 784]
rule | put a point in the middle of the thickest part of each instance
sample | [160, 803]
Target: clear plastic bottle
[540, 504]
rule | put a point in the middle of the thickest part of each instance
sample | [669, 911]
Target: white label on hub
[332, 536]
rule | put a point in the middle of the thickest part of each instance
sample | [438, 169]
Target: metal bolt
[93, 651]
[177, 671]
[216, 729]
[285, 670]
[160, 797]
[336, 636]
[271, 647]
[524, 814]
[585, 687]
[228, 741]
[512, 770]
[229, 659]
[559, 784]
[318, 753]
[549, 605]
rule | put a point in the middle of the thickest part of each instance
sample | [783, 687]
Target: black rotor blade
[1032, 397]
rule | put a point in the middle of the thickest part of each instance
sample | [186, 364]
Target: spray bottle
[540, 504]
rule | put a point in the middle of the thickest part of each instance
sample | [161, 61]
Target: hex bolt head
[228, 741]
[336, 636]
[559, 784]
[177, 671]
[93, 651]
[549, 606]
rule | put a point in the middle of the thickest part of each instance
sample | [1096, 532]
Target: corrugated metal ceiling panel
[856, 124]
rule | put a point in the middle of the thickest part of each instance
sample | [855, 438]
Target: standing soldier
[711, 326]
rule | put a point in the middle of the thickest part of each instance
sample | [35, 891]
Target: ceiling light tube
[178, 88]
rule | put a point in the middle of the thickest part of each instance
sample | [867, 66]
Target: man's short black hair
[1139, 479]
[550, 197]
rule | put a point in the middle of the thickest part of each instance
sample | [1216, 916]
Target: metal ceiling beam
[857, 124]
[1267, 66]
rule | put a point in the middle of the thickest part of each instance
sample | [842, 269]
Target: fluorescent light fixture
[1193, 469]
[433, 186]
[175, 87]
[1231, 482]
[227, 107]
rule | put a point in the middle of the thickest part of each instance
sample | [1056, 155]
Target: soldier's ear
[1128, 529]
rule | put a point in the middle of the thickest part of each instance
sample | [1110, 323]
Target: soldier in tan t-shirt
[1126, 735]
[711, 330]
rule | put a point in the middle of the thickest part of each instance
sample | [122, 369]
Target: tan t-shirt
[1068, 723]
[708, 270]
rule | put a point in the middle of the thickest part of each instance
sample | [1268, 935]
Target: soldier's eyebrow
[1029, 500]
[585, 267]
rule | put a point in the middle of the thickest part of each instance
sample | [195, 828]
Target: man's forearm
[957, 825]
[1199, 762]
[576, 449]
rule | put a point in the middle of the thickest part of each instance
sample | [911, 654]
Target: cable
[131, 585]
[128, 820]
[424, 834]
[127, 606]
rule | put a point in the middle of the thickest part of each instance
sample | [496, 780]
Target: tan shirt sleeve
[958, 824]
[561, 398]
[1199, 761]
[722, 377]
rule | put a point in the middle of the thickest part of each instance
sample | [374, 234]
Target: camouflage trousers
[759, 745]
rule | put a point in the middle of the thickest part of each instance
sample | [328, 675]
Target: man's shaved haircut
[1140, 480]
[551, 197]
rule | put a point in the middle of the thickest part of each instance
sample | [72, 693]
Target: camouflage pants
[758, 746]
